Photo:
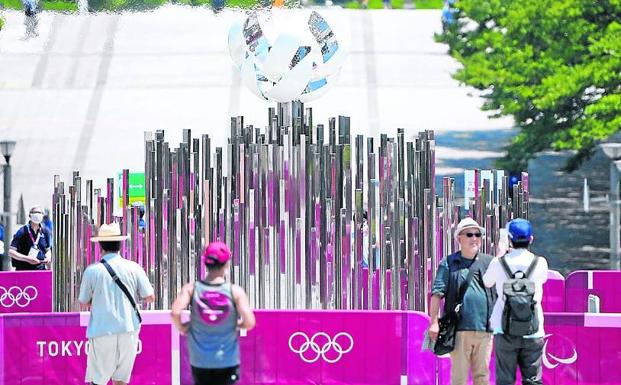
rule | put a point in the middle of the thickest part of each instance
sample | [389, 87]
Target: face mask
[36, 218]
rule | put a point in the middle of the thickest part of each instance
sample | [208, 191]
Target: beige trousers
[472, 352]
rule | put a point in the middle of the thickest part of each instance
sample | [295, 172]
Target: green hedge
[396, 4]
[428, 4]
[48, 5]
[227, 3]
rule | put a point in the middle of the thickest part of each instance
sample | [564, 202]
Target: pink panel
[554, 292]
[25, 291]
[604, 284]
[51, 349]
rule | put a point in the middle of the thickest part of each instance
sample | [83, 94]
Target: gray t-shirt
[111, 311]
[474, 308]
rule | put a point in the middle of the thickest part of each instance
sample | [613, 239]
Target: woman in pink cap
[218, 310]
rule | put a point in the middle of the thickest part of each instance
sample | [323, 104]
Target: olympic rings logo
[15, 295]
[320, 345]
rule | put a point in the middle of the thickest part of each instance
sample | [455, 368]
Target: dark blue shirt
[474, 310]
[22, 242]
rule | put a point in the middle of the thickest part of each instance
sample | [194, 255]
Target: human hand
[33, 260]
[183, 328]
[434, 329]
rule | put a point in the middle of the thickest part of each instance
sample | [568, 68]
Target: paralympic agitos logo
[563, 353]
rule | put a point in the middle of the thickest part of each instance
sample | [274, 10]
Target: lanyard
[35, 243]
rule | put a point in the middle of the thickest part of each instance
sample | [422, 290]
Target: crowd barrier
[302, 347]
[554, 292]
[604, 284]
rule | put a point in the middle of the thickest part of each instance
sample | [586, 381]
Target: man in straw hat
[114, 323]
[473, 339]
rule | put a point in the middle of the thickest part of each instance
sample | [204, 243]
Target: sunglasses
[470, 235]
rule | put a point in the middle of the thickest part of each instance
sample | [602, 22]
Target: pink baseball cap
[216, 253]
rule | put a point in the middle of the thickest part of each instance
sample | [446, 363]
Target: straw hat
[111, 232]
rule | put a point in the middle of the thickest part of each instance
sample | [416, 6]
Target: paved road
[81, 94]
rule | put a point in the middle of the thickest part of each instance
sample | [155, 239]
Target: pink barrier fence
[25, 291]
[333, 347]
[42, 349]
[554, 292]
[351, 347]
[604, 284]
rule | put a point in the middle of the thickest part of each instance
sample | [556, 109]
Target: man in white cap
[114, 323]
[473, 339]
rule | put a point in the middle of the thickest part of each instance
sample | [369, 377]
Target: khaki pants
[472, 351]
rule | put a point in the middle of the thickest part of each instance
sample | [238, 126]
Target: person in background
[31, 245]
[47, 223]
[448, 14]
[218, 309]
[1, 240]
[30, 17]
[141, 222]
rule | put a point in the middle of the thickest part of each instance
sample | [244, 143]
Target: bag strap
[532, 266]
[529, 271]
[506, 267]
[464, 286]
[121, 285]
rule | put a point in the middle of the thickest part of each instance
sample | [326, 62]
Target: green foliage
[1, 23]
[554, 65]
[62, 6]
[121, 5]
[396, 4]
[10, 4]
[352, 5]
[48, 5]
[428, 4]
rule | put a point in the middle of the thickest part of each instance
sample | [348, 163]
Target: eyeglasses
[470, 235]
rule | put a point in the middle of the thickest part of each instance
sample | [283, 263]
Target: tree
[554, 65]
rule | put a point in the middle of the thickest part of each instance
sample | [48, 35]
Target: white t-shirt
[518, 259]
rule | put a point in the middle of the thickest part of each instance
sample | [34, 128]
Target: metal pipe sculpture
[313, 223]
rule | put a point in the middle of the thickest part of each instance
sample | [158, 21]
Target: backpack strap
[506, 267]
[532, 266]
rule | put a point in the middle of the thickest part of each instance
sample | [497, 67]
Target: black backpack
[519, 316]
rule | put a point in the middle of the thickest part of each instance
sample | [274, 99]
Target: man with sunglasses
[473, 341]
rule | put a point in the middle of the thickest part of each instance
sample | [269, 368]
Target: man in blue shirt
[113, 326]
[473, 341]
[31, 245]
